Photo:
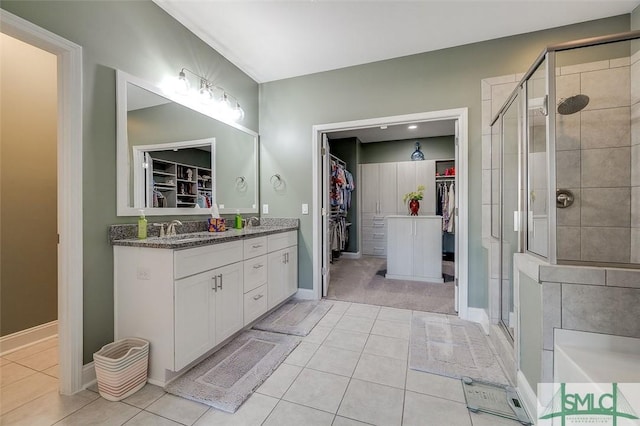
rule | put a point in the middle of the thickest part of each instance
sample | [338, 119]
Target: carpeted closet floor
[362, 281]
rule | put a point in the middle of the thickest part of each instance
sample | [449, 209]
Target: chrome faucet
[171, 227]
[161, 225]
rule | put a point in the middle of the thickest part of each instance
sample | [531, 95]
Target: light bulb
[182, 85]
[205, 93]
[238, 113]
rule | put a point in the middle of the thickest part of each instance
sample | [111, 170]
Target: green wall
[432, 81]
[433, 149]
[140, 38]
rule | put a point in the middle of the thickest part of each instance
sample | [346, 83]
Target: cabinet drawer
[373, 220]
[374, 249]
[374, 234]
[282, 240]
[195, 260]
[255, 272]
[255, 247]
[255, 303]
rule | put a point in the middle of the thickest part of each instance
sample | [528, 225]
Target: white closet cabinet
[283, 267]
[379, 191]
[410, 175]
[415, 248]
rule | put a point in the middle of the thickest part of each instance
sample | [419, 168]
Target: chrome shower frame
[548, 55]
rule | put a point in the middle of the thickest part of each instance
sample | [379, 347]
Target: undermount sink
[184, 237]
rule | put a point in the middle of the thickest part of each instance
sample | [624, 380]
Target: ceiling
[272, 40]
[398, 132]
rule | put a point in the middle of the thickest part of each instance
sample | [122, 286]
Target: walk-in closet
[372, 174]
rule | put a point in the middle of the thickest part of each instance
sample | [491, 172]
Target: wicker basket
[121, 368]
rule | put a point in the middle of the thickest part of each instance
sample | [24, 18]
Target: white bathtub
[582, 357]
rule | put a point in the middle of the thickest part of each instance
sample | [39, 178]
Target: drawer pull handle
[220, 285]
[258, 297]
[215, 283]
[258, 266]
[255, 246]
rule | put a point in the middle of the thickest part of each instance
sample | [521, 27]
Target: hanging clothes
[340, 187]
[451, 208]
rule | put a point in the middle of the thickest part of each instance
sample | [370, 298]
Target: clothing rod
[340, 161]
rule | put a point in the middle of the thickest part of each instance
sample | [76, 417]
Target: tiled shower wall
[593, 152]
[635, 154]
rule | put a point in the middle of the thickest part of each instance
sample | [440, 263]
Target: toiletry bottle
[238, 220]
[142, 226]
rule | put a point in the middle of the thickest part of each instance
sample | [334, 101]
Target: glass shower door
[510, 214]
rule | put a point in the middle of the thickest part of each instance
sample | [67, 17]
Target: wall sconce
[213, 96]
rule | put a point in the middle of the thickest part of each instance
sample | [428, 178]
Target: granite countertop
[201, 238]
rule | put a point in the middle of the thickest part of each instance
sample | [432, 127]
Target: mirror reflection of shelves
[177, 185]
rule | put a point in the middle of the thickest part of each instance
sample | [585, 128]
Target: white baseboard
[88, 375]
[306, 294]
[528, 397]
[350, 255]
[16, 341]
[479, 315]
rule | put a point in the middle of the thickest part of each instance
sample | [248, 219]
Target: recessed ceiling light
[383, 127]
[412, 127]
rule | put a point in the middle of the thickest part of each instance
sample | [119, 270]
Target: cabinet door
[426, 175]
[388, 190]
[194, 317]
[406, 183]
[369, 187]
[229, 316]
[400, 246]
[427, 248]
[291, 271]
[275, 283]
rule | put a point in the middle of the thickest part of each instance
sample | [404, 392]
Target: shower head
[572, 104]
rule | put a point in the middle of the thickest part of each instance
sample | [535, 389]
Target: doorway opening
[361, 253]
[69, 192]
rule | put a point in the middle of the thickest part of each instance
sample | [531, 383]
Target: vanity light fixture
[208, 93]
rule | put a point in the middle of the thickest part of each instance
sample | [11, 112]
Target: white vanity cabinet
[255, 278]
[283, 267]
[186, 302]
[208, 309]
[414, 248]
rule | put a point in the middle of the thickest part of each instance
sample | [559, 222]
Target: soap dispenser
[142, 226]
[238, 220]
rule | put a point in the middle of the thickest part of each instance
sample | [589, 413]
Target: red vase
[414, 206]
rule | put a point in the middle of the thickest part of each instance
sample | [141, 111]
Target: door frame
[69, 186]
[462, 172]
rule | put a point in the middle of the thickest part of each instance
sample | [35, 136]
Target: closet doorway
[363, 170]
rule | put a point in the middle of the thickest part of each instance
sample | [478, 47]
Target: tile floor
[350, 370]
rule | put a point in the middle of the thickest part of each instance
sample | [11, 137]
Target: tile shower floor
[350, 370]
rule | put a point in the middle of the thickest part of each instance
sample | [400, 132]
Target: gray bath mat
[498, 400]
[449, 346]
[295, 317]
[227, 378]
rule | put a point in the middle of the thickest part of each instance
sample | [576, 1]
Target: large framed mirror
[174, 158]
